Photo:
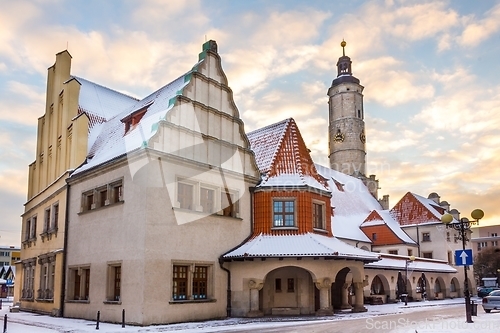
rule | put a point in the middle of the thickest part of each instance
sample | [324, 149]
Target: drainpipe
[65, 247]
[221, 260]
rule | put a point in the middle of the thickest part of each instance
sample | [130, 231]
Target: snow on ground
[24, 322]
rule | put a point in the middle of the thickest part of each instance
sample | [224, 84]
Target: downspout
[418, 241]
[65, 247]
[221, 260]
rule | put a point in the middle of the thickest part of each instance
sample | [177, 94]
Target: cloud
[476, 31]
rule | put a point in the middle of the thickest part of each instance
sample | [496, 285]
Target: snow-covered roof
[111, 140]
[352, 202]
[431, 205]
[388, 219]
[394, 262]
[283, 158]
[305, 245]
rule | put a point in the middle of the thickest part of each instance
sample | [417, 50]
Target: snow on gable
[112, 142]
[415, 209]
[384, 217]
[283, 158]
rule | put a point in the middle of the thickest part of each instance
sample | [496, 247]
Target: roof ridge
[104, 87]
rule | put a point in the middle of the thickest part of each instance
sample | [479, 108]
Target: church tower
[346, 129]
[347, 141]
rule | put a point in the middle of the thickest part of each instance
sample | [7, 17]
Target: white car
[492, 301]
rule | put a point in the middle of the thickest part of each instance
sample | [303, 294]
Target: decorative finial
[343, 44]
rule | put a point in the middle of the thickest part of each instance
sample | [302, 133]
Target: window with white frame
[319, 215]
[207, 200]
[185, 195]
[79, 283]
[191, 281]
[283, 213]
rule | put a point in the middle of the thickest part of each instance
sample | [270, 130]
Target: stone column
[358, 295]
[255, 285]
[325, 304]
[345, 297]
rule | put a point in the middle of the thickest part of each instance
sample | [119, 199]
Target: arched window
[377, 287]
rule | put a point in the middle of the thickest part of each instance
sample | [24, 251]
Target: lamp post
[462, 226]
[410, 259]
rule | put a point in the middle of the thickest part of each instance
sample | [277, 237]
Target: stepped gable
[109, 141]
[415, 209]
[388, 230]
[283, 158]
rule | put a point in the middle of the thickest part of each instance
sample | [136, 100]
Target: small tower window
[359, 113]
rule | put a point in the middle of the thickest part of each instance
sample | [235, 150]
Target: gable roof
[415, 209]
[305, 245]
[383, 218]
[109, 141]
[283, 158]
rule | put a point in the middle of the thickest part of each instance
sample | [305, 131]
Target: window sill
[43, 300]
[323, 231]
[81, 301]
[284, 228]
[113, 302]
[187, 301]
[102, 207]
[185, 210]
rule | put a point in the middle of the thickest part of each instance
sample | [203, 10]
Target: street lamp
[410, 259]
[462, 226]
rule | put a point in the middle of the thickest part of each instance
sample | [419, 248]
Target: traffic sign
[463, 257]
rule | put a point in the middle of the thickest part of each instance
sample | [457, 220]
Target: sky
[430, 70]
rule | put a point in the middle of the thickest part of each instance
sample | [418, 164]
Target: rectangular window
[228, 204]
[290, 285]
[103, 197]
[185, 195]
[55, 216]
[374, 236]
[277, 285]
[449, 257]
[283, 213]
[80, 278]
[207, 200]
[410, 252]
[448, 237]
[114, 282]
[494, 243]
[179, 282]
[318, 216]
[33, 228]
[427, 255]
[200, 282]
[88, 201]
[393, 251]
[46, 220]
[116, 192]
[426, 237]
[27, 230]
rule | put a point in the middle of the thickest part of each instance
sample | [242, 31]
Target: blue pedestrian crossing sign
[463, 257]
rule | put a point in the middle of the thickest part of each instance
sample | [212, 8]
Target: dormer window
[133, 118]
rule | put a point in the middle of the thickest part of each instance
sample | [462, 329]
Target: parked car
[485, 291]
[492, 301]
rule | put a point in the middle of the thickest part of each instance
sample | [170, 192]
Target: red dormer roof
[283, 158]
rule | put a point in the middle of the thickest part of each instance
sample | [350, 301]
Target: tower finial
[343, 44]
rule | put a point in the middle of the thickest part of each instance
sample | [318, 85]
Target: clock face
[362, 137]
[339, 137]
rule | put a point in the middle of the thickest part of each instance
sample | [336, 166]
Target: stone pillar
[255, 285]
[345, 297]
[325, 304]
[358, 295]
